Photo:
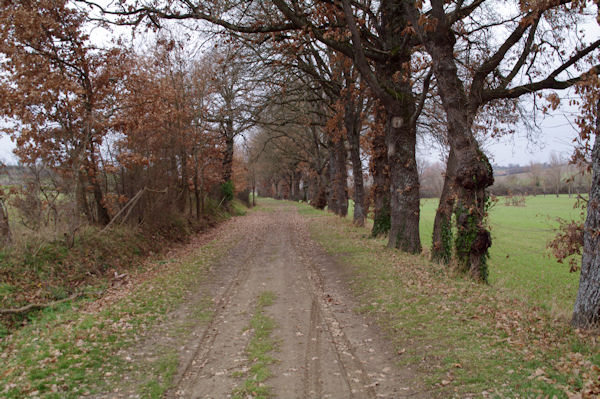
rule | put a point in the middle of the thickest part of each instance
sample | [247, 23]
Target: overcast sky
[556, 132]
[556, 135]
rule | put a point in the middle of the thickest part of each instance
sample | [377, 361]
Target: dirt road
[323, 349]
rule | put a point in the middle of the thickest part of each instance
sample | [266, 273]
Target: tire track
[312, 363]
[202, 348]
[351, 369]
[359, 386]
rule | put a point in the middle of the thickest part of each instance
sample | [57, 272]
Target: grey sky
[556, 132]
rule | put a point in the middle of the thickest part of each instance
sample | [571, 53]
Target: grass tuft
[258, 349]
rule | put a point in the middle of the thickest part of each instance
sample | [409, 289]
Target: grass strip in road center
[258, 349]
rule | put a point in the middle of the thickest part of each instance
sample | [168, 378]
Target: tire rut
[358, 383]
[200, 349]
[312, 365]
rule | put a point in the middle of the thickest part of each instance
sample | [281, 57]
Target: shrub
[227, 191]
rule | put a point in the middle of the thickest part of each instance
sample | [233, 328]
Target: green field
[520, 264]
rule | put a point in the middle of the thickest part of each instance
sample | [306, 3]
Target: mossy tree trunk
[473, 170]
[380, 190]
[391, 84]
[442, 243]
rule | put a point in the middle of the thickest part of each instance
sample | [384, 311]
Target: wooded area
[123, 133]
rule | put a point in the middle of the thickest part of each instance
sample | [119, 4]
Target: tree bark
[228, 152]
[441, 248]
[353, 125]
[331, 199]
[297, 194]
[196, 187]
[401, 132]
[184, 192]
[253, 191]
[380, 191]
[319, 199]
[337, 198]
[586, 313]
[404, 177]
[391, 83]
[103, 216]
[340, 184]
[80, 193]
[5, 237]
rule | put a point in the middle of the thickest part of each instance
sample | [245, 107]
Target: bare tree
[535, 174]
[555, 172]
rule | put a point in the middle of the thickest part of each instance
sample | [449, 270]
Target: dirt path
[324, 350]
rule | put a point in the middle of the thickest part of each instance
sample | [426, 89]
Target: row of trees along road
[112, 133]
[359, 81]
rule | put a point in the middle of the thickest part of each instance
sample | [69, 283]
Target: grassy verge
[67, 352]
[41, 272]
[465, 339]
[43, 268]
[258, 349]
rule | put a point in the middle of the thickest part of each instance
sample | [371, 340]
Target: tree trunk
[319, 199]
[196, 189]
[80, 193]
[379, 168]
[473, 170]
[337, 198]
[441, 248]
[228, 153]
[103, 216]
[400, 133]
[352, 122]
[340, 184]
[401, 140]
[184, 192]
[5, 237]
[331, 200]
[586, 313]
[297, 194]
[101, 210]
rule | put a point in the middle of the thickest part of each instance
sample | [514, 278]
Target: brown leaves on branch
[568, 243]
